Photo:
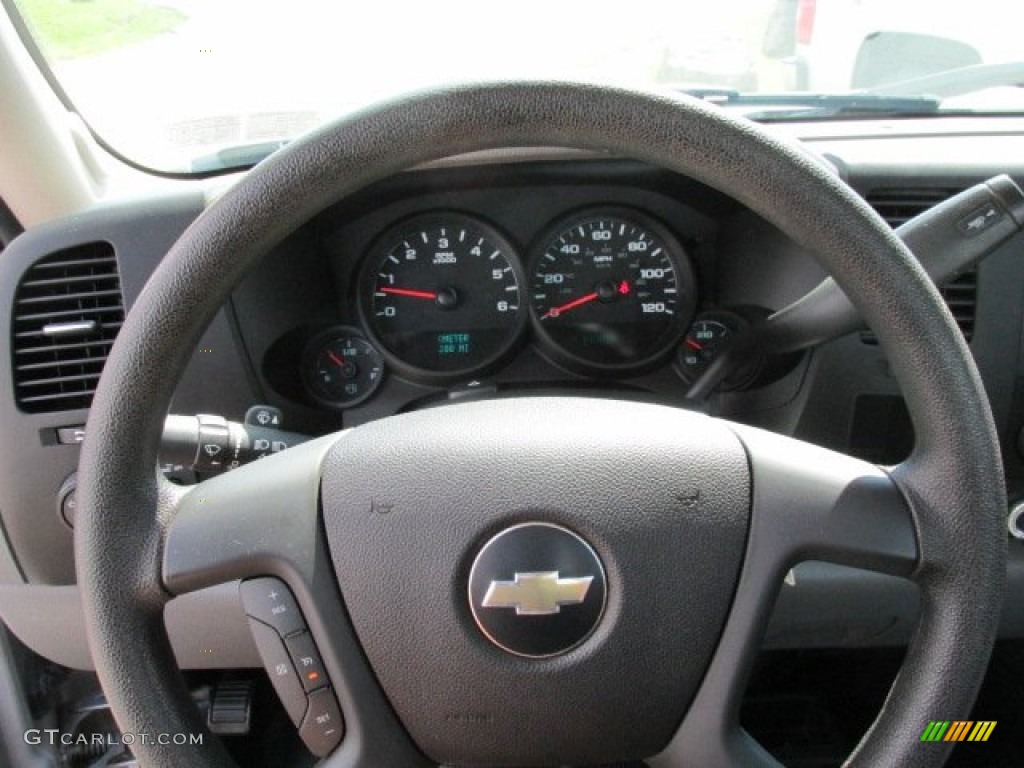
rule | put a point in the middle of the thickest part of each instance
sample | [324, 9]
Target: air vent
[67, 311]
[897, 206]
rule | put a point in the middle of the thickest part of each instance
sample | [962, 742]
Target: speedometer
[440, 294]
[610, 289]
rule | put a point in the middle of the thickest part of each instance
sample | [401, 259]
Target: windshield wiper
[791, 106]
[958, 82]
[918, 96]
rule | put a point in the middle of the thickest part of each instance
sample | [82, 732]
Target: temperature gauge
[702, 343]
[341, 368]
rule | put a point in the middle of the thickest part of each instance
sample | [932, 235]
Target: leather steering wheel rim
[953, 481]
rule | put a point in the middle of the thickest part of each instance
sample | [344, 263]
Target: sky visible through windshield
[167, 82]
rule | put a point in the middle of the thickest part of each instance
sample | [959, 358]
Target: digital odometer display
[610, 290]
[441, 296]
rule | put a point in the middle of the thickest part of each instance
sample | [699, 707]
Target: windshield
[204, 85]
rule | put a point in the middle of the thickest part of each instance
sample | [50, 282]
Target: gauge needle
[556, 311]
[408, 292]
[693, 345]
[339, 361]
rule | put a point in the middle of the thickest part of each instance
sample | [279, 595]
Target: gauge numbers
[441, 294]
[341, 368]
[610, 290]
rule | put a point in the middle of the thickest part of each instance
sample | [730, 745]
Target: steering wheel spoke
[704, 740]
[261, 524]
[808, 503]
[261, 519]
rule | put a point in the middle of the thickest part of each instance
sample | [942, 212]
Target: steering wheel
[382, 533]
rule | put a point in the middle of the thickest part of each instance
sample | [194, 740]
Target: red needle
[407, 292]
[693, 344]
[556, 311]
[339, 361]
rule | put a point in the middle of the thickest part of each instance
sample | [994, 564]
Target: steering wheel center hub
[529, 565]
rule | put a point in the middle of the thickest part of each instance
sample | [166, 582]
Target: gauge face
[341, 368]
[700, 346]
[441, 294]
[610, 290]
[706, 339]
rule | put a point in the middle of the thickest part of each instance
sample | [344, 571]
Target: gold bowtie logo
[537, 593]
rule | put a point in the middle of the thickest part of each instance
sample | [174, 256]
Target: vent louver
[898, 207]
[67, 311]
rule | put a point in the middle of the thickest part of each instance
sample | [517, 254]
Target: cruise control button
[271, 602]
[307, 661]
[323, 727]
[279, 667]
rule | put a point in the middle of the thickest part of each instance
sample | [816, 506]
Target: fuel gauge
[341, 368]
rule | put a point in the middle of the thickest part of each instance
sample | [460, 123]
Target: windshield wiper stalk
[787, 106]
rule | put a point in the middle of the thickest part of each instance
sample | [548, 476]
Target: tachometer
[610, 289]
[440, 294]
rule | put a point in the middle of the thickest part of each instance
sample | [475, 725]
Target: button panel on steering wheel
[293, 662]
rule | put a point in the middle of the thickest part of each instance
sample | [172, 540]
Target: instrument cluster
[445, 296]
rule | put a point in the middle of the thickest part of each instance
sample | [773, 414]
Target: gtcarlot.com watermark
[55, 737]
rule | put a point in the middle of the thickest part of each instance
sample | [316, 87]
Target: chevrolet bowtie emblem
[538, 593]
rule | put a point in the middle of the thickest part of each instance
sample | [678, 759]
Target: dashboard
[504, 274]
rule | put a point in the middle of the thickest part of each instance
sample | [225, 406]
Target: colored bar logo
[958, 730]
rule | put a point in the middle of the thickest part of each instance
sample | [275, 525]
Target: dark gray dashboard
[841, 396]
